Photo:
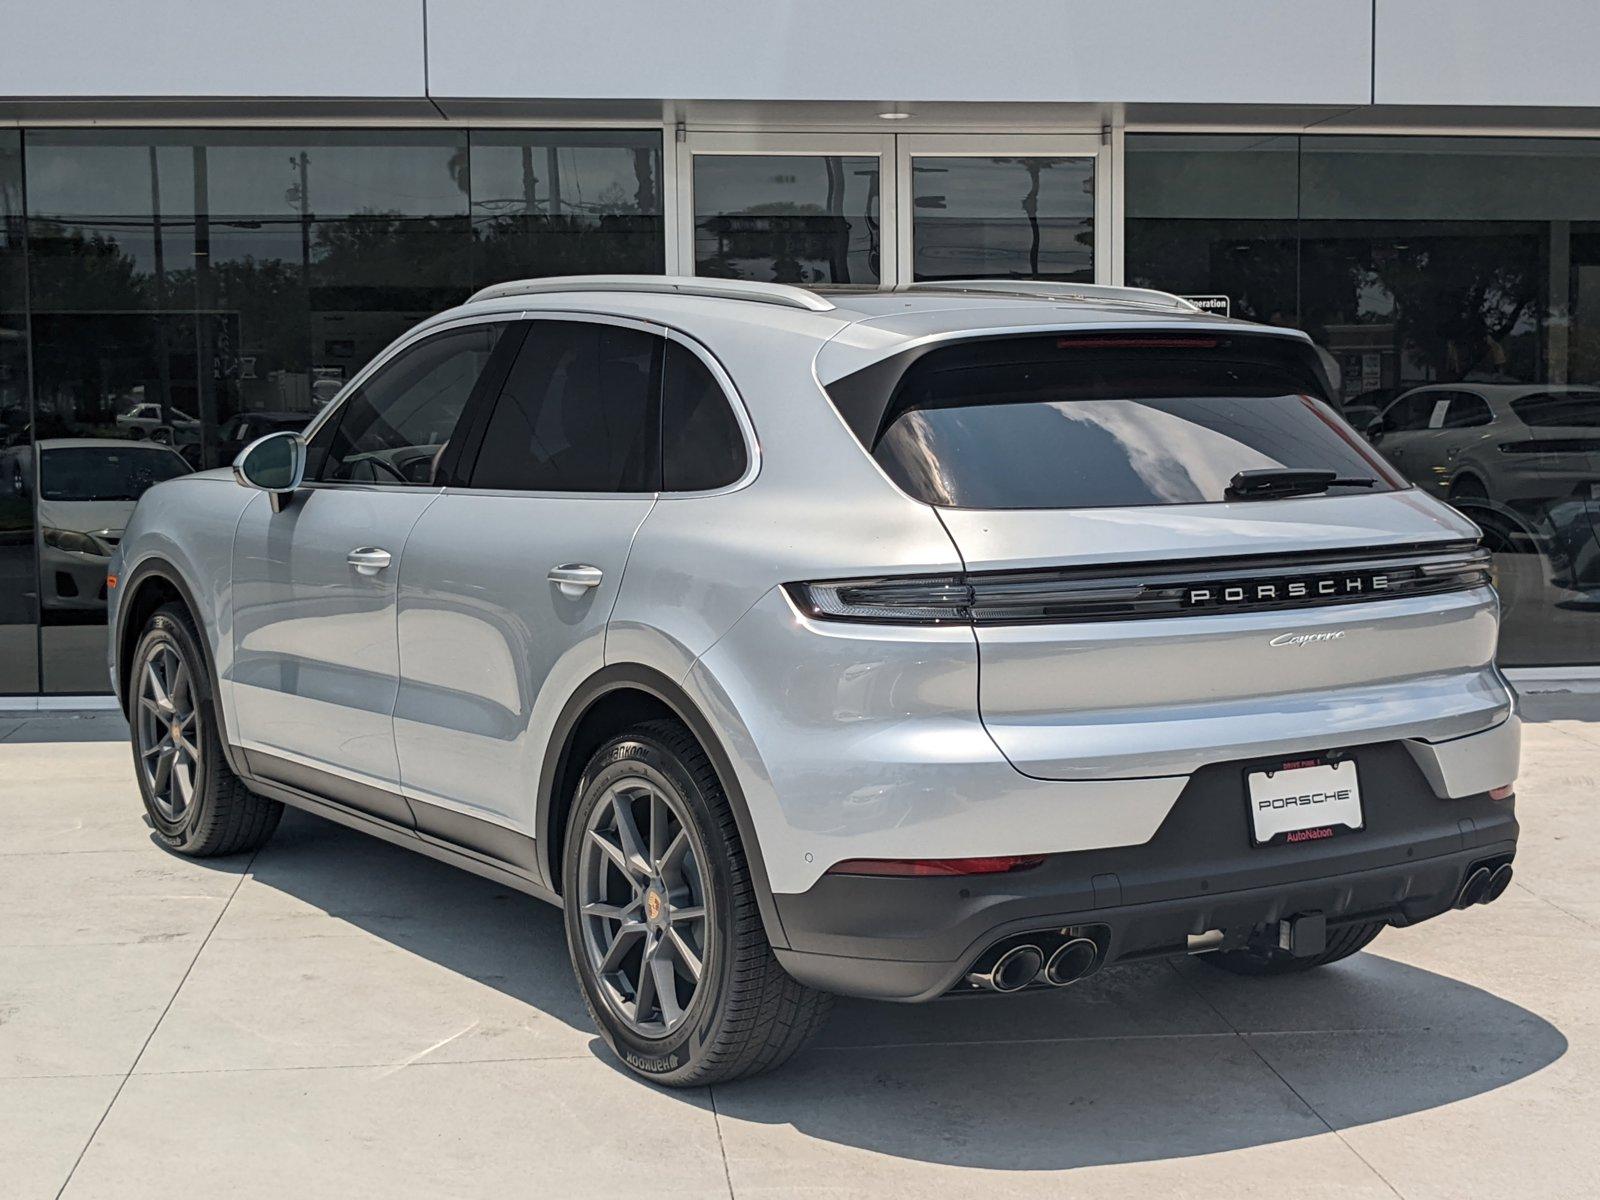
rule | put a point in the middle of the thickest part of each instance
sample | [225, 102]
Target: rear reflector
[994, 865]
[1502, 793]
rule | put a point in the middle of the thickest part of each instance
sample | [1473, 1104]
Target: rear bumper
[915, 938]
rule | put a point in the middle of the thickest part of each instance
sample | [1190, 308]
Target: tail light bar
[1140, 591]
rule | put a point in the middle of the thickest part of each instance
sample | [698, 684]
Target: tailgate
[1230, 631]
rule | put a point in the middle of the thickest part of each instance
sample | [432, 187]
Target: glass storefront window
[19, 584]
[1215, 216]
[1453, 288]
[1002, 218]
[573, 202]
[191, 290]
[809, 219]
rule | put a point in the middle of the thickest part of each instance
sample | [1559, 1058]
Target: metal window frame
[895, 152]
[693, 143]
[1033, 145]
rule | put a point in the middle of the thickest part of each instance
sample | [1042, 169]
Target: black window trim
[732, 398]
[477, 414]
[457, 467]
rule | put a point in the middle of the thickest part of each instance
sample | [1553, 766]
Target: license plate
[1304, 802]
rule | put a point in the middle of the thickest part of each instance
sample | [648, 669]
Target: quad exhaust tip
[1484, 886]
[1475, 888]
[1021, 965]
[1498, 883]
[1012, 971]
[1071, 961]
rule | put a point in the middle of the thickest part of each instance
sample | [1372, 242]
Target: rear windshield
[1107, 421]
[1574, 408]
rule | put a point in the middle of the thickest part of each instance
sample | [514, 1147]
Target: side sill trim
[396, 835]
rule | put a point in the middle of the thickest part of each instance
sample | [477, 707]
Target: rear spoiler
[864, 397]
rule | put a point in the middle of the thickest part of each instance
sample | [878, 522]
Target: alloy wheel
[643, 903]
[168, 725]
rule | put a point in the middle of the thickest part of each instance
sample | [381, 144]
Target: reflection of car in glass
[324, 390]
[1513, 443]
[144, 420]
[87, 490]
[1521, 460]
[245, 428]
[1363, 409]
[722, 699]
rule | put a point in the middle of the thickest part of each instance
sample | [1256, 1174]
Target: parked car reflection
[245, 428]
[145, 420]
[1523, 461]
[86, 493]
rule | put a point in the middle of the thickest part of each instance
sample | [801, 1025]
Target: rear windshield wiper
[1273, 483]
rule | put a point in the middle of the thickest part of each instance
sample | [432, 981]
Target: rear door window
[1110, 421]
[577, 413]
[1467, 412]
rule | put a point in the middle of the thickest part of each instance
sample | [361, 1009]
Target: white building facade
[211, 215]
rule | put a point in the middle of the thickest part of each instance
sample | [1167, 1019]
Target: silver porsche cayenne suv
[965, 638]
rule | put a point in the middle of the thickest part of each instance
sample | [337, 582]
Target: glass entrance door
[782, 209]
[1011, 207]
[880, 211]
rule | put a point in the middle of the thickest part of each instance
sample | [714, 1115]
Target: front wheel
[196, 804]
[662, 922]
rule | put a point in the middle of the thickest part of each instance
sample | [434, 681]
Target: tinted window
[701, 446]
[1572, 408]
[1410, 412]
[1466, 411]
[394, 428]
[105, 472]
[1063, 423]
[787, 218]
[566, 202]
[577, 413]
[1002, 218]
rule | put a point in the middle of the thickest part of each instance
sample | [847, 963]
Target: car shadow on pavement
[1143, 1062]
[1051, 1085]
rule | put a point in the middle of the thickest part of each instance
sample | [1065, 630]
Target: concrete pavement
[337, 1017]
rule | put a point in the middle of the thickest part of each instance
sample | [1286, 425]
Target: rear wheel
[662, 922]
[1342, 943]
[195, 803]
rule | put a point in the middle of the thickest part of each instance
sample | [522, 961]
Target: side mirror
[1374, 429]
[275, 464]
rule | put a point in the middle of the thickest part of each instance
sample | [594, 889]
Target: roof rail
[1041, 289]
[781, 294]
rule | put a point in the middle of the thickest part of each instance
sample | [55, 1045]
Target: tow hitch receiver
[1304, 936]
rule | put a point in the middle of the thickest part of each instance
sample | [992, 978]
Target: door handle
[574, 579]
[368, 560]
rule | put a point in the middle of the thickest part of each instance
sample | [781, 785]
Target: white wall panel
[1527, 52]
[88, 48]
[1217, 51]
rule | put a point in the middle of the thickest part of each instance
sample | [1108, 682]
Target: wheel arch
[609, 701]
[151, 584]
